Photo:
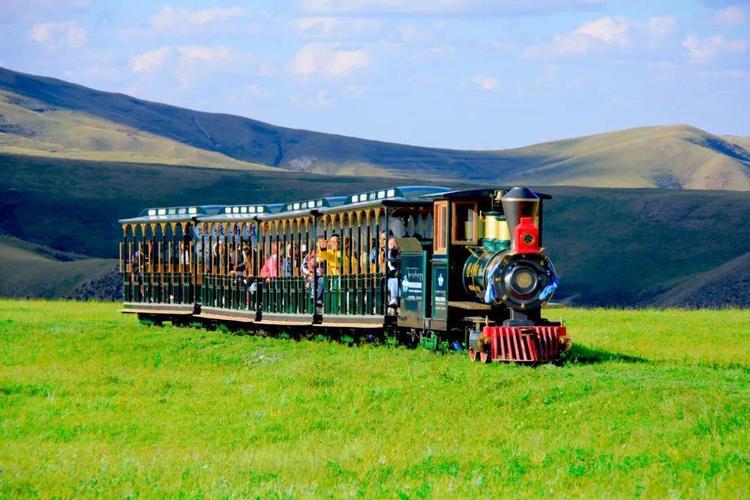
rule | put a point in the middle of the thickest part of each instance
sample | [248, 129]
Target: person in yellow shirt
[331, 254]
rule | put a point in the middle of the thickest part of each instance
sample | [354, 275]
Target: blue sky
[450, 73]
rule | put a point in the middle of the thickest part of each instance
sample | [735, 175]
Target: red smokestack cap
[526, 236]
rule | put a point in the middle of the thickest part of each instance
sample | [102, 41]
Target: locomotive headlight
[522, 280]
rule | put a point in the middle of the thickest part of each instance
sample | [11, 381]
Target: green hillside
[671, 157]
[731, 281]
[74, 205]
[90, 124]
[627, 247]
[651, 404]
[740, 140]
[610, 246]
[31, 127]
[30, 270]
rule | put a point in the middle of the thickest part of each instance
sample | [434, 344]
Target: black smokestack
[520, 202]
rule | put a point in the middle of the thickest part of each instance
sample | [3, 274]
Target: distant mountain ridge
[130, 129]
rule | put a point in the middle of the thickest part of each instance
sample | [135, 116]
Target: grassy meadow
[651, 403]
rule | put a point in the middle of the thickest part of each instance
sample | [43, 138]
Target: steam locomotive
[471, 270]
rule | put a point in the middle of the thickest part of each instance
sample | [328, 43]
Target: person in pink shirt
[270, 267]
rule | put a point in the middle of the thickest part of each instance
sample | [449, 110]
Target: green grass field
[94, 404]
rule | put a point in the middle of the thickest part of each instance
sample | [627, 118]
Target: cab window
[465, 223]
[440, 227]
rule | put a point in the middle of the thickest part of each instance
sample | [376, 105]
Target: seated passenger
[392, 274]
[287, 262]
[307, 263]
[331, 255]
[270, 267]
[320, 269]
[335, 259]
[378, 254]
[353, 266]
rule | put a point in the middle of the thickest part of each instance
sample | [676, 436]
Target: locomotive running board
[470, 306]
[217, 313]
[158, 308]
[350, 321]
[276, 319]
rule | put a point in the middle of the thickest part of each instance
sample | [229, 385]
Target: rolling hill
[670, 157]
[37, 115]
[73, 160]
[730, 281]
[611, 247]
[32, 270]
[31, 127]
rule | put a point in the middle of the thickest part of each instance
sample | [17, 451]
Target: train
[426, 265]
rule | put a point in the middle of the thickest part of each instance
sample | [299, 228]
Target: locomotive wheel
[485, 357]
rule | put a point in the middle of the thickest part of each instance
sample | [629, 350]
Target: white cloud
[579, 81]
[328, 59]
[661, 26]
[705, 51]
[441, 7]
[192, 63]
[336, 27]
[549, 73]
[485, 82]
[151, 60]
[355, 90]
[322, 25]
[170, 17]
[599, 34]
[255, 89]
[730, 16]
[266, 69]
[442, 50]
[63, 34]
[606, 29]
[322, 99]
[202, 63]
[319, 99]
[249, 93]
[205, 54]
[735, 74]
[503, 45]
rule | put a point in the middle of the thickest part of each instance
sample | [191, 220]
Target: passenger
[270, 267]
[378, 254]
[373, 254]
[218, 258]
[149, 257]
[333, 257]
[321, 269]
[392, 272]
[250, 278]
[349, 255]
[331, 254]
[139, 267]
[185, 260]
[287, 262]
[307, 263]
[244, 268]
